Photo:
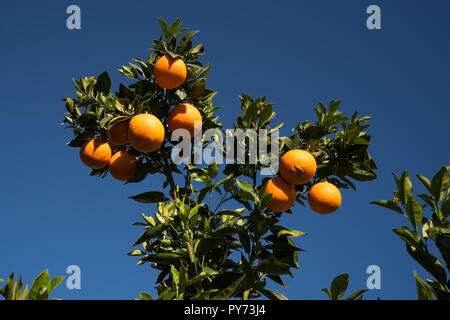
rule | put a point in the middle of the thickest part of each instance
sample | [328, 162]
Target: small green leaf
[273, 266]
[245, 239]
[326, 290]
[272, 294]
[213, 170]
[357, 295]
[405, 187]
[425, 181]
[423, 291]
[338, 286]
[103, 83]
[41, 281]
[144, 296]
[409, 236]
[54, 283]
[414, 210]
[389, 205]
[229, 291]
[205, 245]
[283, 231]
[150, 197]
[440, 184]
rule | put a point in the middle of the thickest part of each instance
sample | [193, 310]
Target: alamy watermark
[73, 21]
[240, 146]
[374, 20]
[374, 280]
[73, 281]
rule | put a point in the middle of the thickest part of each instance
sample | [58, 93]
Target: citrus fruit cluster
[298, 167]
[144, 132]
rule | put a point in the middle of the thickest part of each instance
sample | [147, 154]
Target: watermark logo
[374, 20]
[239, 146]
[73, 21]
[74, 280]
[374, 280]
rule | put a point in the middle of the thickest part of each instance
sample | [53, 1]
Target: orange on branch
[118, 133]
[324, 198]
[123, 165]
[298, 166]
[95, 153]
[146, 132]
[169, 72]
[283, 194]
[185, 116]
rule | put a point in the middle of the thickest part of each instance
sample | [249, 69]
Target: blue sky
[53, 214]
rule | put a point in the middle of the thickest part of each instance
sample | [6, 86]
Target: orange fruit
[283, 194]
[146, 132]
[298, 166]
[95, 153]
[122, 165]
[118, 133]
[185, 116]
[170, 73]
[324, 198]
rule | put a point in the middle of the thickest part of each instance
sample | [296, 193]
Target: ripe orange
[146, 132]
[185, 116]
[123, 165]
[95, 153]
[283, 194]
[118, 133]
[170, 73]
[324, 198]
[298, 166]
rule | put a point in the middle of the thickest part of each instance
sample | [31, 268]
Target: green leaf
[283, 231]
[163, 25]
[150, 197]
[440, 291]
[136, 253]
[423, 290]
[338, 286]
[175, 275]
[249, 272]
[41, 281]
[144, 296]
[391, 205]
[356, 295]
[174, 27]
[213, 170]
[272, 294]
[205, 245]
[443, 243]
[150, 233]
[23, 295]
[273, 266]
[426, 198]
[278, 280]
[245, 186]
[163, 257]
[54, 283]
[405, 187]
[409, 236]
[414, 210]
[429, 262]
[103, 83]
[245, 239]
[445, 208]
[326, 290]
[229, 291]
[425, 181]
[440, 184]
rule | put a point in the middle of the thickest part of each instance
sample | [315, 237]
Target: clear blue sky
[53, 214]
